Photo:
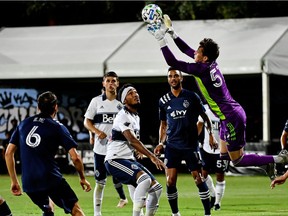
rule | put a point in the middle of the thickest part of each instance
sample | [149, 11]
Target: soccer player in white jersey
[98, 120]
[120, 160]
[212, 161]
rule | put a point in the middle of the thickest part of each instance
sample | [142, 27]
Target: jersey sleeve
[67, 141]
[15, 137]
[184, 47]
[91, 110]
[162, 112]
[185, 67]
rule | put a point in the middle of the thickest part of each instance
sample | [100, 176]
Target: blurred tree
[43, 13]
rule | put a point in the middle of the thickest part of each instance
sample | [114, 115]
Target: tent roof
[81, 50]
[59, 51]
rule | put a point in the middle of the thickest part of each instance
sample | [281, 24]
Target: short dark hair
[173, 68]
[111, 74]
[210, 49]
[47, 102]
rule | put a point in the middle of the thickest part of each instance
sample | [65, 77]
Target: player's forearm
[10, 163]
[79, 167]
[284, 140]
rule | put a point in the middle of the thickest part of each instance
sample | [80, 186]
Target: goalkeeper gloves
[168, 23]
[158, 33]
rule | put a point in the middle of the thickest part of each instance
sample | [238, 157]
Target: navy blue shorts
[62, 195]
[213, 163]
[174, 158]
[126, 170]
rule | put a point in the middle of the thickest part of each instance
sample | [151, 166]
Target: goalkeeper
[211, 84]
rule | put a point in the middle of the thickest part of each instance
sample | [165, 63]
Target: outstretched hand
[278, 181]
[168, 24]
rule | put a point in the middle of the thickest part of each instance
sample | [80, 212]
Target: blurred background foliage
[45, 13]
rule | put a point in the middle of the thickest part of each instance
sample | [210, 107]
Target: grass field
[244, 195]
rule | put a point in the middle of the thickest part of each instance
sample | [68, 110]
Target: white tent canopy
[83, 50]
[247, 46]
[59, 51]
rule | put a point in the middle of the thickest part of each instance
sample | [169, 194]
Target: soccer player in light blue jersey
[213, 87]
[178, 112]
[38, 138]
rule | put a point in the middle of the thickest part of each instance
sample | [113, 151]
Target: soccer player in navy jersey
[38, 138]
[178, 112]
[98, 120]
[212, 85]
[120, 160]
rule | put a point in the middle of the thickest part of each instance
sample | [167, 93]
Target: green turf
[244, 195]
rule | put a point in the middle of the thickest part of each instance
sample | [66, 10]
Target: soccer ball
[152, 14]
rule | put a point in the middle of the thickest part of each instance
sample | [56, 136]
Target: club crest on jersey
[186, 103]
[119, 106]
[134, 167]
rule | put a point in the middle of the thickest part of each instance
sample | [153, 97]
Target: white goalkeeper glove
[168, 23]
[158, 33]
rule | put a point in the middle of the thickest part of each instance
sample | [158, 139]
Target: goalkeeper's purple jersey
[209, 79]
[38, 138]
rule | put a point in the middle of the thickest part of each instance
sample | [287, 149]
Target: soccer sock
[172, 196]
[119, 188]
[152, 202]
[253, 160]
[131, 190]
[210, 185]
[98, 196]
[205, 197]
[5, 210]
[143, 185]
[220, 189]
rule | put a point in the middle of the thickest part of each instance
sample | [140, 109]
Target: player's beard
[136, 106]
[177, 86]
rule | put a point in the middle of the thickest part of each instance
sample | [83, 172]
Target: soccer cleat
[284, 155]
[217, 207]
[271, 171]
[122, 203]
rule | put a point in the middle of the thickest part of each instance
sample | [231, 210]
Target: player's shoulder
[166, 98]
[189, 93]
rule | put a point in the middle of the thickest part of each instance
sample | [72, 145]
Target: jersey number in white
[216, 78]
[33, 139]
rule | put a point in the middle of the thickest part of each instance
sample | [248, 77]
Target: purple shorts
[233, 130]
